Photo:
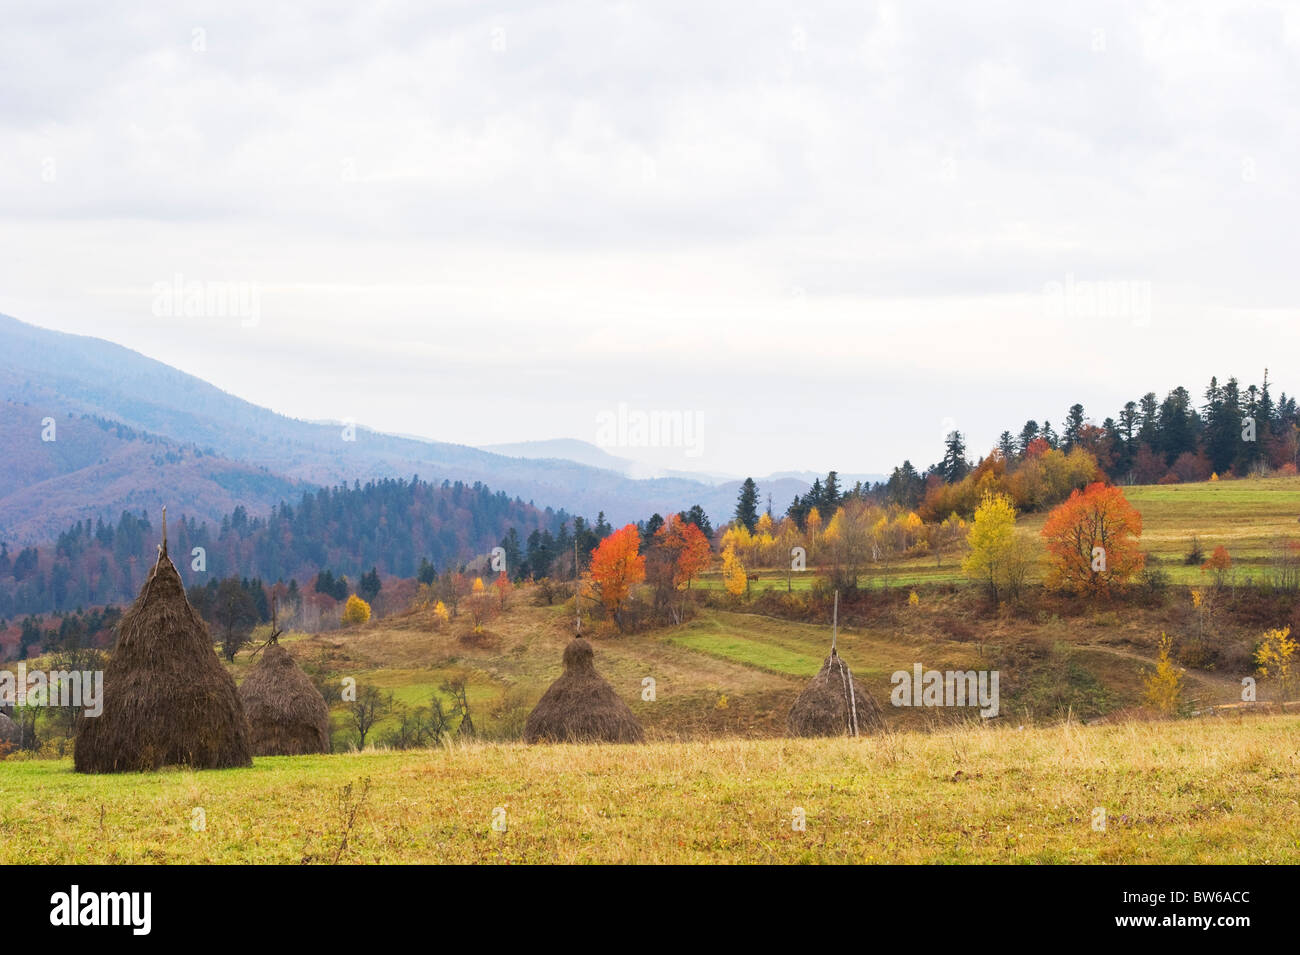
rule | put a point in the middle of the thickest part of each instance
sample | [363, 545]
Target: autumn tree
[690, 550]
[356, 610]
[1164, 686]
[998, 556]
[479, 603]
[1275, 658]
[617, 565]
[734, 577]
[1092, 541]
[1217, 564]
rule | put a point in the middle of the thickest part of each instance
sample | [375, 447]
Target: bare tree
[367, 709]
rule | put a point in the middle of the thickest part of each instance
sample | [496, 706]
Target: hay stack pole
[846, 676]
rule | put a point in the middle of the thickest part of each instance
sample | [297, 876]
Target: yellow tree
[356, 610]
[997, 557]
[734, 577]
[1275, 656]
[1164, 687]
[764, 540]
[813, 532]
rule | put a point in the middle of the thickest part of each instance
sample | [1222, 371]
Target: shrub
[1164, 687]
[356, 610]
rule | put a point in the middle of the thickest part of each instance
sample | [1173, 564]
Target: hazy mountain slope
[95, 469]
[564, 449]
[57, 374]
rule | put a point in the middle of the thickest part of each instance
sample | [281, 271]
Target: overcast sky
[825, 234]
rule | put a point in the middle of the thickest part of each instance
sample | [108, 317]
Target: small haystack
[9, 732]
[167, 698]
[580, 707]
[834, 703]
[287, 716]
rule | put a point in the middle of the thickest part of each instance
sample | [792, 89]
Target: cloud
[796, 212]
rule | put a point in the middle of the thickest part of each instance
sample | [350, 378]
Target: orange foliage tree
[617, 565]
[1092, 541]
[1218, 564]
[690, 550]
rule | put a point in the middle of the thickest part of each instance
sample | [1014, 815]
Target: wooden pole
[835, 623]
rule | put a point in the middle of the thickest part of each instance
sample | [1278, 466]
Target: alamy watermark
[81, 689]
[181, 299]
[923, 687]
[625, 427]
[1084, 300]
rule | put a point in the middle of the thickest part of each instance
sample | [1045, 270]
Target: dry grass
[1212, 790]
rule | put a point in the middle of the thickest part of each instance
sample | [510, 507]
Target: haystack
[580, 707]
[9, 732]
[287, 716]
[834, 704]
[167, 698]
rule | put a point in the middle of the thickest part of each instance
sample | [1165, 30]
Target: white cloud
[803, 226]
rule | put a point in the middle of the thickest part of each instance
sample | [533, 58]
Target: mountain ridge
[60, 374]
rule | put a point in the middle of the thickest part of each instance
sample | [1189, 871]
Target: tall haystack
[580, 707]
[287, 716]
[167, 698]
[834, 703]
[9, 732]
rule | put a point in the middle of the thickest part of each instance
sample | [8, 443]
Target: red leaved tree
[691, 553]
[617, 565]
[1092, 541]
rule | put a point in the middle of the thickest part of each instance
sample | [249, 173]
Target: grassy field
[1211, 790]
[717, 780]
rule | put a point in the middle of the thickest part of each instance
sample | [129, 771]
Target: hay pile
[9, 731]
[580, 707]
[828, 704]
[167, 698]
[286, 714]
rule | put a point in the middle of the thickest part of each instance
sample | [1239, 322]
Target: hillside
[56, 374]
[391, 523]
[95, 468]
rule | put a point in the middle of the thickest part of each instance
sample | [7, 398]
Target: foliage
[1092, 541]
[1164, 686]
[356, 610]
[616, 566]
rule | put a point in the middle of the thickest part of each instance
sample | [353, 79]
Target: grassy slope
[1212, 790]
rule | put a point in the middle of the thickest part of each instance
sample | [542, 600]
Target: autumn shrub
[356, 610]
[1164, 686]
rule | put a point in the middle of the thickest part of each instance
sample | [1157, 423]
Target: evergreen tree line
[387, 525]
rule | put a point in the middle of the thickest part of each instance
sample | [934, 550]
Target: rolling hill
[254, 455]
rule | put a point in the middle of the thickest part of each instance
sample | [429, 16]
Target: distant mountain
[564, 449]
[592, 455]
[253, 454]
[846, 480]
[59, 470]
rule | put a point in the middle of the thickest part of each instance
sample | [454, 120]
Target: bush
[356, 611]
